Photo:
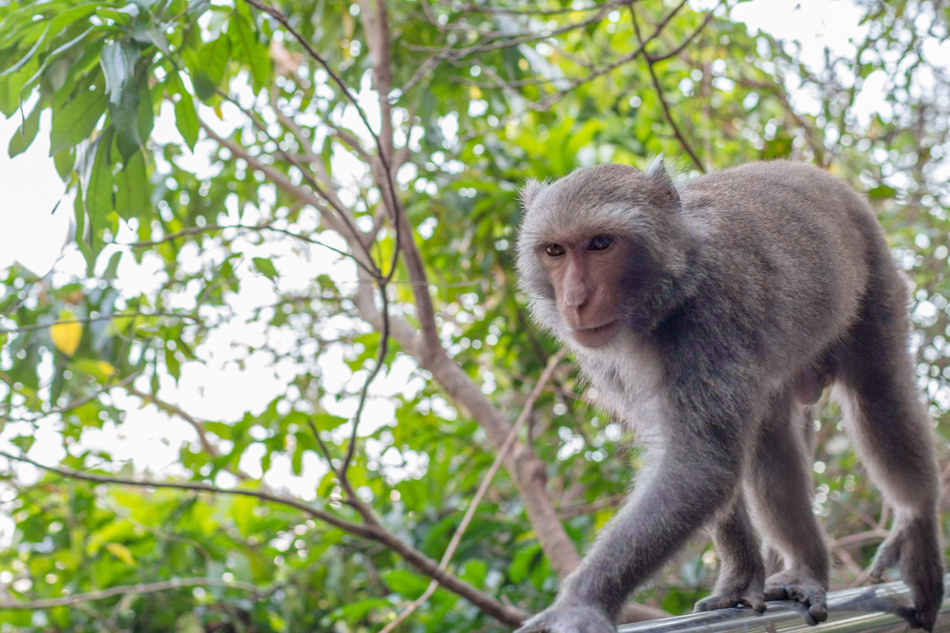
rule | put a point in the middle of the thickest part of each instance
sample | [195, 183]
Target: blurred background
[261, 336]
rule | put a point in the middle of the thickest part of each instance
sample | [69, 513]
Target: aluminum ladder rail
[874, 609]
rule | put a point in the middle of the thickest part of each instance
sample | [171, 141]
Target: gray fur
[765, 283]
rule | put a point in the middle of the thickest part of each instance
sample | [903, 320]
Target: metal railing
[863, 609]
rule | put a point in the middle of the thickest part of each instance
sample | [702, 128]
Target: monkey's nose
[576, 299]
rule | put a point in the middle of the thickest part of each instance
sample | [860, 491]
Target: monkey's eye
[554, 250]
[599, 243]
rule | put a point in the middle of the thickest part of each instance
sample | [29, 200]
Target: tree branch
[196, 424]
[503, 612]
[111, 592]
[327, 517]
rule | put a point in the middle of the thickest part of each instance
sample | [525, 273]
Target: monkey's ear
[529, 191]
[656, 171]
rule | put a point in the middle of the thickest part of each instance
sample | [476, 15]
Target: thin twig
[390, 188]
[333, 200]
[343, 524]
[689, 39]
[285, 22]
[586, 508]
[351, 498]
[165, 585]
[103, 317]
[364, 392]
[660, 95]
[196, 424]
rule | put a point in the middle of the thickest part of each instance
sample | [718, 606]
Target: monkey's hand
[565, 618]
[739, 590]
[800, 586]
[913, 546]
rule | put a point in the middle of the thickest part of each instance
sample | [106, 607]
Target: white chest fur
[629, 377]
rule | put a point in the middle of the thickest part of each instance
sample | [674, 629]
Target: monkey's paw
[569, 619]
[913, 545]
[753, 599]
[801, 587]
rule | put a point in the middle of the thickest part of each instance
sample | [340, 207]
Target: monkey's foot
[799, 586]
[569, 619]
[734, 592]
[913, 546]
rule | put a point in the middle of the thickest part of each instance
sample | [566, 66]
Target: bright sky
[33, 235]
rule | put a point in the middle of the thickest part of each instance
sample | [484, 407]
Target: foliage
[308, 212]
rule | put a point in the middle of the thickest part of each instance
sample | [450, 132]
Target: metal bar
[876, 609]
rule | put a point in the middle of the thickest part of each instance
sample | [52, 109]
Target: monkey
[710, 315]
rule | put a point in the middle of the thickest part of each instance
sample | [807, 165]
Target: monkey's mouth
[595, 329]
[595, 336]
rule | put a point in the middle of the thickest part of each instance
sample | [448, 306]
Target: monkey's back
[792, 247]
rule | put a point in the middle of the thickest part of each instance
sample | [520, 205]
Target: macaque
[710, 316]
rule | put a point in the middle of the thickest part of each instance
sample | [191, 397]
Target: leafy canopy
[292, 270]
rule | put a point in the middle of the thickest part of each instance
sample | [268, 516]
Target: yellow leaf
[121, 552]
[106, 368]
[66, 336]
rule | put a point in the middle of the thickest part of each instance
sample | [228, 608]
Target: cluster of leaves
[221, 152]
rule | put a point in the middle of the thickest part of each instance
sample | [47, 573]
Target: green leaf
[11, 90]
[23, 442]
[24, 136]
[474, 572]
[124, 115]
[157, 37]
[64, 161]
[186, 119]
[882, 192]
[77, 118]
[197, 7]
[98, 193]
[54, 55]
[113, 266]
[208, 66]
[326, 421]
[118, 65]
[265, 267]
[172, 364]
[131, 196]
[123, 16]
[27, 57]
[146, 114]
[523, 562]
[356, 611]
[405, 582]
[71, 16]
[249, 50]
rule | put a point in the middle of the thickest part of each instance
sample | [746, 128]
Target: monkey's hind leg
[779, 487]
[741, 574]
[891, 431]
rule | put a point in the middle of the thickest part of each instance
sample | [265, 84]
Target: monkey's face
[586, 276]
[597, 251]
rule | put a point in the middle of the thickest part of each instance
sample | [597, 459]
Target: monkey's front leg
[694, 479]
[741, 574]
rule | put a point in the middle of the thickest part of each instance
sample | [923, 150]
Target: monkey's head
[599, 251]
